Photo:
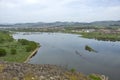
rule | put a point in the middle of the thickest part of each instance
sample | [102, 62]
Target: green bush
[1, 40]
[13, 51]
[2, 52]
[5, 37]
[23, 41]
[72, 70]
[28, 48]
[94, 77]
[88, 48]
[32, 45]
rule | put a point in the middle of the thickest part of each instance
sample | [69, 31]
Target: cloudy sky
[17, 11]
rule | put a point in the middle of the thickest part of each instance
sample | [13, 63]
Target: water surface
[68, 50]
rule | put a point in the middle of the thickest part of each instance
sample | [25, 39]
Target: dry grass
[75, 76]
[2, 66]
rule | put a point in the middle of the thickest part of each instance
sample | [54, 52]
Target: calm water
[68, 50]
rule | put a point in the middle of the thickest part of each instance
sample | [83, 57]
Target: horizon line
[56, 21]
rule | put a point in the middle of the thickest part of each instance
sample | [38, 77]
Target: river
[68, 50]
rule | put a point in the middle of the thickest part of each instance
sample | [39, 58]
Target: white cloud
[32, 1]
[55, 10]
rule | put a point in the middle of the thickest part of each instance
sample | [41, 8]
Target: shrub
[32, 45]
[94, 77]
[13, 51]
[88, 48]
[23, 41]
[28, 48]
[72, 70]
[5, 37]
[2, 52]
[1, 40]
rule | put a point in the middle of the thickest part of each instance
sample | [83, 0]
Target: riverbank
[25, 71]
[31, 55]
[101, 36]
[104, 35]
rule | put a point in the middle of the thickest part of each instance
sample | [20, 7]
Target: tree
[28, 48]
[13, 51]
[23, 41]
[32, 45]
[2, 52]
[72, 70]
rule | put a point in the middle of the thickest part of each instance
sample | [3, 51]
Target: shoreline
[31, 55]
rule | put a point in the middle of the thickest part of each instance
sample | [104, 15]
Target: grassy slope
[21, 53]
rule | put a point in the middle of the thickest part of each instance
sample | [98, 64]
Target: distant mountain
[65, 24]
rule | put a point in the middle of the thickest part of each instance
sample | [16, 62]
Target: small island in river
[90, 49]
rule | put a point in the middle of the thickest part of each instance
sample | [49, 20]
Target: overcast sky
[17, 11]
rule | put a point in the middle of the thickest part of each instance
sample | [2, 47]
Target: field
[101, 36]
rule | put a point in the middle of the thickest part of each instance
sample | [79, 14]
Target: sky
[22, 11]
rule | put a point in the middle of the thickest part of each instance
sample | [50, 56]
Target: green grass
[21, 53]
[2, 67]
[76, 76]
[94, 77]
[101, 36]
[97, 35]
[20, 49]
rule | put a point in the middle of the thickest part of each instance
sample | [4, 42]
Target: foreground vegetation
[15, 50]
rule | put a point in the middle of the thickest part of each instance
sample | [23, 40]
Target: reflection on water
[78, 53]
[69, 49]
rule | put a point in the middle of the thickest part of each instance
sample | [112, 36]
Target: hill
[65, 24]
